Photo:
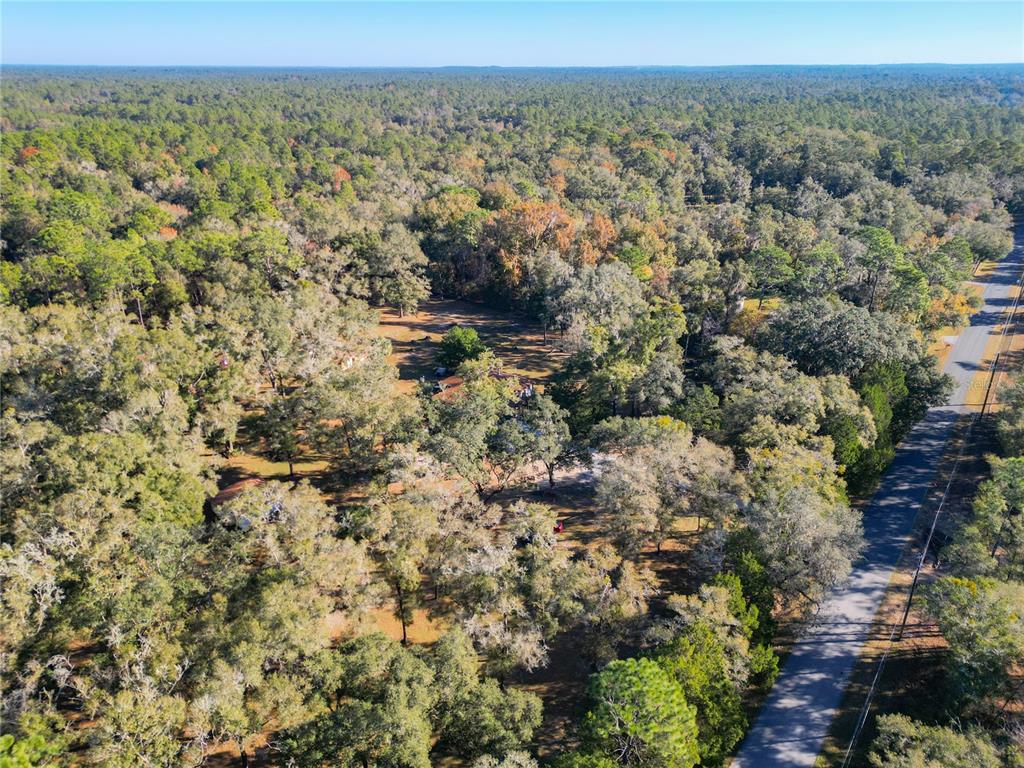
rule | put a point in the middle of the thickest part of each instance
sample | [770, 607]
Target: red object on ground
[231, 491]
[559, 526]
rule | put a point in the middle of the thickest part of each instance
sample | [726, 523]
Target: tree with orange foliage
[339, 177]
[596, 243]
[557, 184]
[516, 232]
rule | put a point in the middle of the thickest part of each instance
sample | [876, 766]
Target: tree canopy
[239, 517]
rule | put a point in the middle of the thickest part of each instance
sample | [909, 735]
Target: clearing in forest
[517, 341]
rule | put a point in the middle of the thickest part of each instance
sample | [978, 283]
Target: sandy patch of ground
[516, 340]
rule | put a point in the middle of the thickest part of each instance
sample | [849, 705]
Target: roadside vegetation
[415, 418]
[977, 604]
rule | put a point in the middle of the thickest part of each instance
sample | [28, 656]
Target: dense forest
[738, 273]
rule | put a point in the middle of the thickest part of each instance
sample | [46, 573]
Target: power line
[901, 625]
[897, 628]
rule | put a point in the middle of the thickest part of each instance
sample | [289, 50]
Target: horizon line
[437, 67]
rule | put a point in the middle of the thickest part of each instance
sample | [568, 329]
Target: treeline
[741, 269]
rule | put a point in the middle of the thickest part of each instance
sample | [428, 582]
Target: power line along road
[791, 727]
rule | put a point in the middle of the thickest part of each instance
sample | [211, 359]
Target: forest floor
[517, 340]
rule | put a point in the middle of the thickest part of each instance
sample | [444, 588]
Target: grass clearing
[247, 464]
[984, 269]
[753, 313]
[515, 339]
[423, 630]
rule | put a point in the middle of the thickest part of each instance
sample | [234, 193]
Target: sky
[432, 34]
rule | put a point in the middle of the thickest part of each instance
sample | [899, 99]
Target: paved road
[792, 725]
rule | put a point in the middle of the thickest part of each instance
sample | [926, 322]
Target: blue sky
[428, 33]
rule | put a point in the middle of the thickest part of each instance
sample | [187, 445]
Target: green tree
[458, 345]
[818, 272]
[992, 541]
[772, 268]
[888, 274]
[983, 622]
[663, 473]
[511, 760]
[138, 727]
[614, 594]
[284, 569]
[881, 256]
[282, 425]
[474, 715]
[697, 661]
[33, 741]
[545, 423]
[584, 760]
[906, 743]
[394, 268]
[949, 264]
[377, 699]
[404, 533]
[515, 594]
[1010, 419]
[808, 542]
[474, 422]
[639, 716]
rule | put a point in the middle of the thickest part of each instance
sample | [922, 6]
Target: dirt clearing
[515, 339]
